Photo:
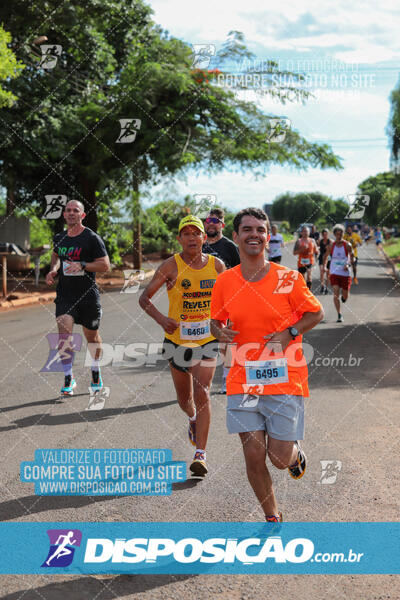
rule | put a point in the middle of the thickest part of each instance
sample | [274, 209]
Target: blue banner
[195, 548]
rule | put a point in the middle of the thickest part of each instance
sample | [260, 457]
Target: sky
[353, 63]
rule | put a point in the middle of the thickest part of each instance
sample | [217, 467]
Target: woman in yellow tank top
[189, 303]
[189, 345]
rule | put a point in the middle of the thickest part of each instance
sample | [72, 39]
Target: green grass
[392, 248]
[287, 237]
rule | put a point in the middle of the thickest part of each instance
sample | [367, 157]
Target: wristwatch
[83, 264]
[293, 332]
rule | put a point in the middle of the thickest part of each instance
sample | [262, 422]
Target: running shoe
[192, 432]
[355, 280]
[69, 386]
[297, 470]
[198, 466]
[274, 518]
[339, 318]
[97, 382]
[326, 290]
[222, 389]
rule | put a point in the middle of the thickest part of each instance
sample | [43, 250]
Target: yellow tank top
[189, 303]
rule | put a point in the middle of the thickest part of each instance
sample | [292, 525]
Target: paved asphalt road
[352, 417]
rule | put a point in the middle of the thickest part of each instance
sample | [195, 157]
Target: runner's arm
[219, 265]
[351, 253]
[296, 249]
[327, 255]
[98, 265]
[221, 332]
[163, 274]
[54, 266]
[307, 322]
[316, 249]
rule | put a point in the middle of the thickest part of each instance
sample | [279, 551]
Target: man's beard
[213, 234]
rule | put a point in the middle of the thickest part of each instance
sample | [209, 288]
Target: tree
[10, 68]
[393, 128]
[376, 187]
[121, 65]
[308, 207]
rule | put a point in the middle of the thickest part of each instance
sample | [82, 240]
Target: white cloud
[357, 32]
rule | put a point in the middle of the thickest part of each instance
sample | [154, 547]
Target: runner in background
[305, 248]
[275, 245]
[355, 241]
[269, 308]
[324, 245]
[222, 247]
[341, 255]
[78, 254]
[217, 244]
[190, 347]
[314, 234]
[378, 237]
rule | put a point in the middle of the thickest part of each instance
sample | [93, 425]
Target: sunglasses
[214, 220]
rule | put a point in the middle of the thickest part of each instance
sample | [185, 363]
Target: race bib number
[340, 262]
[266, 372]
[305, 261]
[65, 267]
[197, 330]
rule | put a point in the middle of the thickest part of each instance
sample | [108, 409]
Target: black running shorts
[183, 357]
[86, 314]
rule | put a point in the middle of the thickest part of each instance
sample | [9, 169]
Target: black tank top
[323, 246]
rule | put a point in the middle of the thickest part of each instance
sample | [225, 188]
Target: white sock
[67, 368]
[194, 417]
[200, 450]
[95, 365]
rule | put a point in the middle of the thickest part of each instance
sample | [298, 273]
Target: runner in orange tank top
[269, 308]
[189, 345]
[305, 248]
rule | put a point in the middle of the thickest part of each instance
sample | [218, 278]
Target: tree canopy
[93, 67]
[10, 68]
[309, 207]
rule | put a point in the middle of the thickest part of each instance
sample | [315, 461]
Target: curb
[48, 297]
[392, 264]
[28, 300]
